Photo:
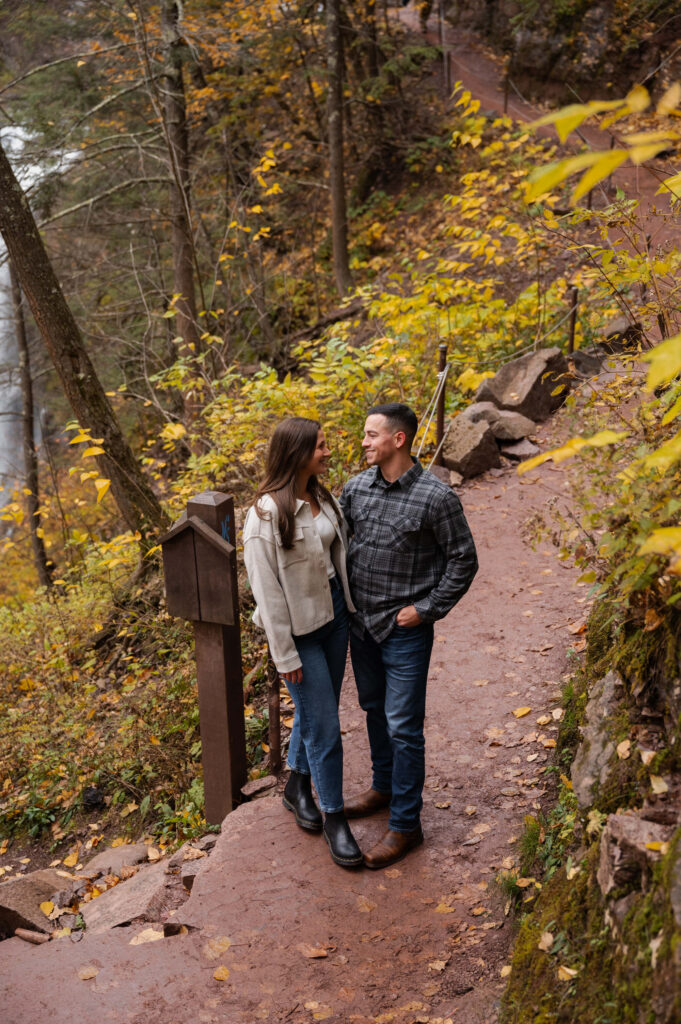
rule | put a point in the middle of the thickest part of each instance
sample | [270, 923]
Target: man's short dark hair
[399, 417]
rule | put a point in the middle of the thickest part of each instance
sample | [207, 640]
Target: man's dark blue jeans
[391, 685]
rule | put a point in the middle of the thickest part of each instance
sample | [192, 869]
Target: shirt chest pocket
[397, 533]
[289, 556]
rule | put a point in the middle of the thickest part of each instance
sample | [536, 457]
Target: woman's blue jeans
[391, 686]
[315, 747]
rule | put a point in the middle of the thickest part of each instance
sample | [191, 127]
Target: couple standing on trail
[409, 559]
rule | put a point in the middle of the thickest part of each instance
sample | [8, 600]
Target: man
[411, 558]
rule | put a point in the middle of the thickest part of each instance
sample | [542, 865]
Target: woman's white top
[327, 535]
[291, 585]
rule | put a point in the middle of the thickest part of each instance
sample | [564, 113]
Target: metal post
[274, 716]
[220, 678]
[440, 422]
[573, 317]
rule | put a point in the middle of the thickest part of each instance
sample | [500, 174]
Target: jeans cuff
[403, 828]
[292, 768]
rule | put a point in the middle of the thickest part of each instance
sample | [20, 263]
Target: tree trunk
[42, 565]
[175, 117]
[334, 106]
[131, 490]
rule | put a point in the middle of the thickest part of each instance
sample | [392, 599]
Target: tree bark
[130, 488]
[175, 117]
[334, 107]
[43, 567]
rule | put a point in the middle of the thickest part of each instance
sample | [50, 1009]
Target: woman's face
[319, 461]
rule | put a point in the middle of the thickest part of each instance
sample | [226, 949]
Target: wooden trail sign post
[199, 563]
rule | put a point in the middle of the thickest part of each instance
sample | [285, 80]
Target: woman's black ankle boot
[344, 849]
[298, 798]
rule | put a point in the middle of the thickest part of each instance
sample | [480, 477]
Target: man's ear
[400, 438]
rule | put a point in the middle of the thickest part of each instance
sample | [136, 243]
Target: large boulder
[147, 896]
[626, 858]
[506, 426]
[20, 900]
[622, 335]
[527, 384]
[590, 767]
[470, 448]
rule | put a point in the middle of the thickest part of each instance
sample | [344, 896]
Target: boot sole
[344, 862]
[309, 826]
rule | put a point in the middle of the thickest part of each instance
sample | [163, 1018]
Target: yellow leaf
[173, 431]
[85, 973]
[221, 973]
[658, 784]
[671, 413]
[521, 712]
[658, 847]
[505, 970]
[148, 935]
[568, 118]
[128, 809]
[47, 907]
[672, 185]
[602, 168]
[670, 100]
[664, 541]
[71, 860]
[572, 447]
[364, 905]
[566, 973]
[545, 942]
[102, 486]
[61, 933]
[665, 362]
[214, 948]
[442, 908]
[664, 457]
[93, 451]
[624, 749]
[545, 179]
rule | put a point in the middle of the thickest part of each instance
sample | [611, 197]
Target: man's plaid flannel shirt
[410, 544]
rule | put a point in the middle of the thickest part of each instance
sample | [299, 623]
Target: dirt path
[423, 941]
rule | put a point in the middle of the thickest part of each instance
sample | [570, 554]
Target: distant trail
[482, 77]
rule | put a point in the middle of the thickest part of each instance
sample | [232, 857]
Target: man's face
[380, 442]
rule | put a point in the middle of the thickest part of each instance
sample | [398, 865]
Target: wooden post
[662, 324]
[573, 317]
[440, 422]
[199, 557]
[274, 716]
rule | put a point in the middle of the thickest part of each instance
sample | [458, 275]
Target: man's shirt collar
[404, 481]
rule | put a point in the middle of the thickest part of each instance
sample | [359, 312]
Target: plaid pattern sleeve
[410, 544]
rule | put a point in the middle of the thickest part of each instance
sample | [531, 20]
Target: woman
[294, 548]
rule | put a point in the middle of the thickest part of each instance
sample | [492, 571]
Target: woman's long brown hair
[292, 445]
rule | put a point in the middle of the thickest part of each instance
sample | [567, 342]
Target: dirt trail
[425, 940]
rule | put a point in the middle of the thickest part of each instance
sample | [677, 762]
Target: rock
[675, 888]
[590, 766]
[624, 858]
[190, 869]
[206, 842]
[519, 451]
[506, 426]
[20, 900]
[145, 896]
[470, 448]
[258, 787]
[525, 385]
[111, 861]
[93, 798]
[622, 335]
[442, 473]
[455, 479]
[587, 362]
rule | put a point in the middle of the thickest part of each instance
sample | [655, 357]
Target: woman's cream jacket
[291, 588]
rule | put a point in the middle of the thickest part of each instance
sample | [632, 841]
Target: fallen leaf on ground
[194, 854]
[506, 969]
[437, 965]
[477, 911]
[128, 809]
[507, 863]
[47, 907]
[287, 722]
[119, 841]
[549, 744]
[153, 854]
[545, 942]
[85, 973]
[393, 873]
[61, 933]
[148, 935]
[127, 871]
[364, 905]
[480, 682]
[532, 757]
[521, 712]
[647, 756]
[312, 952]
[479, 830]
[442, 908]
[658, 847]
[658, 784]
[472, 841]
[566, 973]
[544, 719]
[471, 809]
[579, 647]
[71, 860]
[221, 973]
[443, 807]
[576, 628]
[624, 749]
[557, 714]
[523, 883]
[528, 614]
[214, 948]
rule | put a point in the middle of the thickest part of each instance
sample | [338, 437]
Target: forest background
[256, 210]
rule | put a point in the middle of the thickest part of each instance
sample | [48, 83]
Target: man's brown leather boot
[366, 803]
[393, 846]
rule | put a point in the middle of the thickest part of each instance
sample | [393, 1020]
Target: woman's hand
[293, 677]
[408, 616]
